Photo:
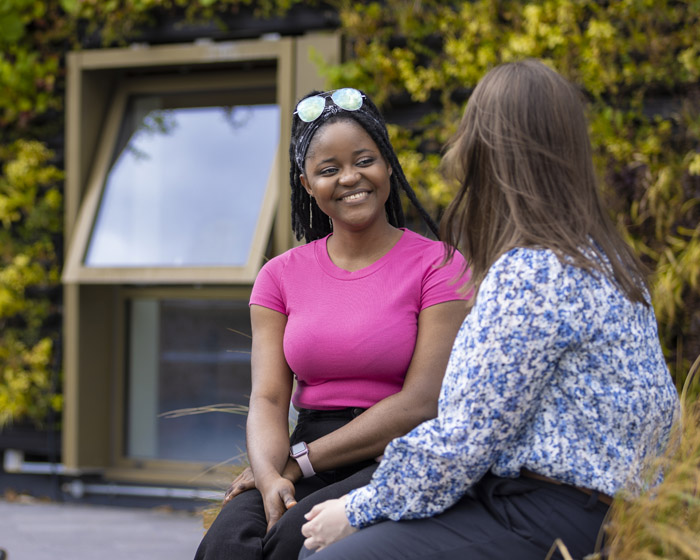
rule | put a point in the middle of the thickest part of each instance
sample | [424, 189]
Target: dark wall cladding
[240, 23]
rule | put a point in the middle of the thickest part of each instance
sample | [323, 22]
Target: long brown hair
[523, 158]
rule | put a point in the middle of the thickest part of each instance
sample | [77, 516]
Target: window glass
[187, 354]
[186, 185]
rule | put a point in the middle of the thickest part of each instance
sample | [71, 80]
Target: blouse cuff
[360, 509]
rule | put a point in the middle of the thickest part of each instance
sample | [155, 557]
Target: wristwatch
[300, 453]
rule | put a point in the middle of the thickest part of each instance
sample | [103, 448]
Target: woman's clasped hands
[244, 481]
[278, 497]
[326, 524]
[278, 493]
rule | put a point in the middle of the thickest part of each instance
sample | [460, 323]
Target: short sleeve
[442, 283]
[267, 289]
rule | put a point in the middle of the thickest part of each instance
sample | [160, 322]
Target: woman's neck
[354, 250]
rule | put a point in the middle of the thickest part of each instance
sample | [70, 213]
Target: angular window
[184, 189]
[186, 186]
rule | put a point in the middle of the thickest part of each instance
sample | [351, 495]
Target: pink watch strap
[305, 465]
[302, 459]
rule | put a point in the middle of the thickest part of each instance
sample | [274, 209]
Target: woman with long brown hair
[556, 391]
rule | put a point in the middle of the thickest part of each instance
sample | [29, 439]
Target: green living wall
[638, 62]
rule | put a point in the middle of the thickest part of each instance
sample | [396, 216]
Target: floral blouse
[554, 371]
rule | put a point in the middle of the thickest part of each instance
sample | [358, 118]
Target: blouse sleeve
[504, 354]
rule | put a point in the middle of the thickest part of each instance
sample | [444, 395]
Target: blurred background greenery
[636, 61]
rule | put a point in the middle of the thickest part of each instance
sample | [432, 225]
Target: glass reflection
[185, 354]
[186, 186]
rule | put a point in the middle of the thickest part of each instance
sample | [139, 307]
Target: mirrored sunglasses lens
[349, 99]
[311, 108]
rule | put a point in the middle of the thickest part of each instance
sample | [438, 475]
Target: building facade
[177, 190]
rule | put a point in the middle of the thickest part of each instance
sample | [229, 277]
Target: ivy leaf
[69, 6]
[694, 167]
[11, 27]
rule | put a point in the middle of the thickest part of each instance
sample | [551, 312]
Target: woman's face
[347, 175]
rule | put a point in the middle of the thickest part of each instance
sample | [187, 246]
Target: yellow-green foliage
[118, 20]
[30, 215]
[638, 63]
[25, 381]
[29, 68]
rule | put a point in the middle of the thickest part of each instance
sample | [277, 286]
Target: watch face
[298, 448]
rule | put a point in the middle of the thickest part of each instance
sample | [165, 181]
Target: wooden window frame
[76, 271]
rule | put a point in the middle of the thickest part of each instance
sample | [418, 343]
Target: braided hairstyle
[303, 205]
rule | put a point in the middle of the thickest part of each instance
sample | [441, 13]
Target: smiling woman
[349, 180]
[362, 317]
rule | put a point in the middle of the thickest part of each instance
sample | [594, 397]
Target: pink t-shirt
[350, 336]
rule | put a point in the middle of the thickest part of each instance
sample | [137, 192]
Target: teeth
[355, 196]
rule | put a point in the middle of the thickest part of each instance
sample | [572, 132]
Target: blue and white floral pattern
[554, 371]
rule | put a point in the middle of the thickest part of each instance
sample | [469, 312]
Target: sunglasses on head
[311, 108]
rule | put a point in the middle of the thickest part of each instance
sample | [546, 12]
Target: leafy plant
[637, 62]
[30, 218]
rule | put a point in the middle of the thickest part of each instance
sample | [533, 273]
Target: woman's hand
[327, 523]
[278, 497]
[246, 480]
[242, 483]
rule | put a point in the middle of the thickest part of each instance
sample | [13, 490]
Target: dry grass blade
[209, 514]
[229, 408]
[677, 538]
[239, 332]
[237, 466]
[685, 393]
[559, 545]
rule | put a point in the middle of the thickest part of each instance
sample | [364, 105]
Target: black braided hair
[371, 120]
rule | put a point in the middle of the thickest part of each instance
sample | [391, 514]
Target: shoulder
[293, 257]
[539, 275]
[430, 250]
[412, 241]
[424, 259]
[526, 258]
[527, 264]
[523, 271]
[281, 274]
[287, 268]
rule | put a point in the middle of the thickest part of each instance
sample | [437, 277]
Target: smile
[355, 196]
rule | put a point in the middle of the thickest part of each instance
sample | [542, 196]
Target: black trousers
[501, 518]
[239, 531]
